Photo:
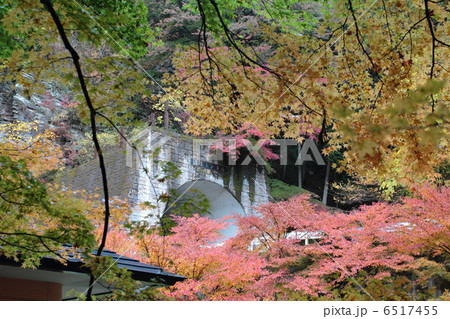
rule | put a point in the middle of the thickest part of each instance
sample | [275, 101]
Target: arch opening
[221, 201]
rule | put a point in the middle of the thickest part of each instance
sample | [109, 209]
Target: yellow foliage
[23, 140]
[369, 81]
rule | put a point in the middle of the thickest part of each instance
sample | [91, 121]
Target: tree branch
[228, 34]
[76, 61]
[358, 33]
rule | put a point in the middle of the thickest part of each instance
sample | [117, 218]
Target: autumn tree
[379, 251]
[196, 249]
[36, 220]
[47, 50]
[298, 250]
[24, 141]
[369, 82]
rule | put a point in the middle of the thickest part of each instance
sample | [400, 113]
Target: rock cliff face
[51, 111]
[15, 107]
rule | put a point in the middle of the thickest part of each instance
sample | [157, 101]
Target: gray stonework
[135, 178]
[16, 107]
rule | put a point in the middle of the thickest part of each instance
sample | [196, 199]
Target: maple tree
[380, 99]
[36, 219]
[354, 255]
[380, 251]
[193, 249]
[249, 140]
[41, 219]
[42, 56]
[23, 141]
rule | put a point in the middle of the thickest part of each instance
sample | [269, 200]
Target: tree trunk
[166, 115]
[325, 186]
[299, 173]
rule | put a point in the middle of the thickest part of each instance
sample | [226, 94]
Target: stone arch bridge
[135, 174]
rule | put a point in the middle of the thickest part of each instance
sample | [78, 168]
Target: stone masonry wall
[180, 150]
[136, 179]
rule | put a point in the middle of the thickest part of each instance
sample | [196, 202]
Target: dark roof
[140, 271]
